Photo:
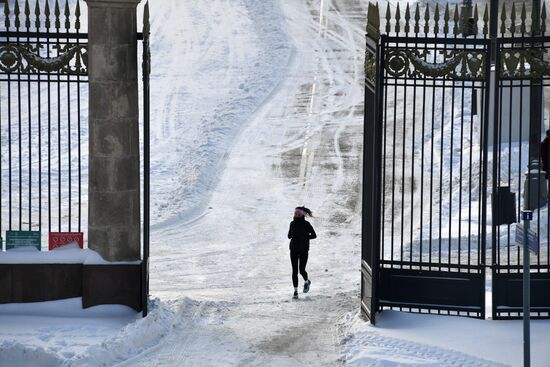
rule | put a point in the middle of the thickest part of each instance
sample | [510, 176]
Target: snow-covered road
[301, 146]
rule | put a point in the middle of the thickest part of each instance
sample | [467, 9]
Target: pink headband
[299, 213]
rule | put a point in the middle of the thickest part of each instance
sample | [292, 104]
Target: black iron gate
[433, 227]
[44, 120]
[522, 79]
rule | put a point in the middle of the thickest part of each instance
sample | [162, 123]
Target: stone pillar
[114, 185]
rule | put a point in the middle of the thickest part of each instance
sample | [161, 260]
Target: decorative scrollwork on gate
[71, 59]
[456, 64]
[523, 63]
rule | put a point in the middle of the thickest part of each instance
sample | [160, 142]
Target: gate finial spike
[446, 18]
[476, 19]
[57, 13]
[7, 15]
[426, 20]
[77, 15]
[523, 16]
[146, 24]
[513, 19]
[67, 16]
[436, 19]
[47, 14]
[456, 20]
[16, 12]
[543, 17]
[503, 19]
[37, 15]
[373, 21]
[27, 15]
[486, 21]
[388, 19]
[397, 19]
[417, 19]
[407, 18]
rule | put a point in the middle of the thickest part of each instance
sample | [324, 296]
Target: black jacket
[300, 232]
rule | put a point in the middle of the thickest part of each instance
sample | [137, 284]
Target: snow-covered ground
[257, 107]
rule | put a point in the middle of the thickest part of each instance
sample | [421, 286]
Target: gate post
[370, 228]
[114, 177]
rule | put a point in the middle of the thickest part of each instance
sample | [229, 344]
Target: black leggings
[300, 257]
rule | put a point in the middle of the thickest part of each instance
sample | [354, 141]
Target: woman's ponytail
[307, 211]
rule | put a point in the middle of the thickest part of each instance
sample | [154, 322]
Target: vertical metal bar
[498, 157]
[59, 178]
[384, 124]
[496, 116]
[483, 156]
[412, 167]
[393, 167]
[9, 147]
[403, 160]
[510, 157]
[471, 162]
[527, 216]
[483, 188]
[432, 138]
[453, 89]
[47, 23]
[78, 107]
[1, 171]
[422, 169]
[20, 132]
[39, 150]
[69, 146]
[463, 89]
[30, 136]
[520, 151]
[547, 213]
[384, 111]
[540, 120]
[146, 153]
[442, 149]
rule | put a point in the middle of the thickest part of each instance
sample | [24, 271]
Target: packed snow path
[230, 260]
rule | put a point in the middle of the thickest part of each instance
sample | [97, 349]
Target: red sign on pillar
[58, 239]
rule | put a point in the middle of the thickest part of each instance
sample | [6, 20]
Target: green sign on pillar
[22, 239]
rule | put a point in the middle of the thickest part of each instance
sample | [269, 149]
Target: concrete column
[114, 187]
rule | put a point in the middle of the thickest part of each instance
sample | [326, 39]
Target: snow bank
[17, 355]
[61, 333]
[130, 341]
[67, 254]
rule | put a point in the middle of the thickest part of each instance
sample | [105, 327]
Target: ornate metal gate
[432, 151]
[522, 79]
[43, 81]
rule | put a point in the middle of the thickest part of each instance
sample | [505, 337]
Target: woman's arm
[312, 233]
[290, 231]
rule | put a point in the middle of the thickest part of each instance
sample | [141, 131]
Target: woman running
[299, 233]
